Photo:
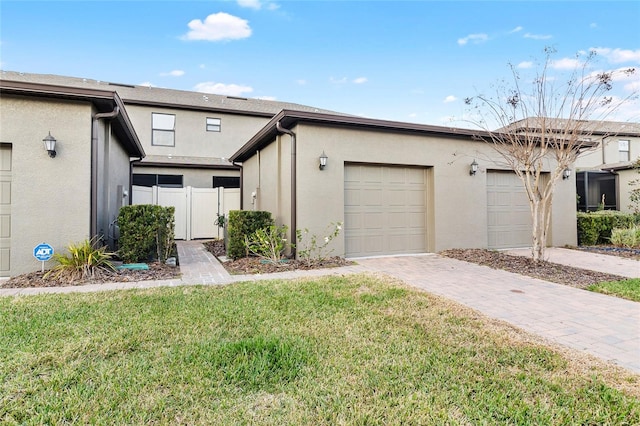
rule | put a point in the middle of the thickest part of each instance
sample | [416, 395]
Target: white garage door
[385, 210]
[5, 209]
[509, 215]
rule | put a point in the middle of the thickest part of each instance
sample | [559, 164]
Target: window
[167, 181]
[226, 181]
[623, 149]
[213, 124]
[163, 129]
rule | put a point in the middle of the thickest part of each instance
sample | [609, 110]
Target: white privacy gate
[196, 208]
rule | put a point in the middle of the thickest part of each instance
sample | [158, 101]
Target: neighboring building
[605, 170]
[398, 187]
[73, 195]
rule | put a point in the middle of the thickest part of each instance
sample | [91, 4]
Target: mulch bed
[561, 274]
[254, 265]
[156, 271]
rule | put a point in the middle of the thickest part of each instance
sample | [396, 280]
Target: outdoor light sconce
[566, 174]
[323, 160]
[50, 145]
[474, 168]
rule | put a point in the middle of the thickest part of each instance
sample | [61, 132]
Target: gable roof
[289, 119]
[178, 99]
[103, 100]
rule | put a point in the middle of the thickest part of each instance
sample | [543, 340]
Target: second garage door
[385, 210]
[508, 212]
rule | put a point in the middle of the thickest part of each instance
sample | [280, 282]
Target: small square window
[213, 124]
[623, 149]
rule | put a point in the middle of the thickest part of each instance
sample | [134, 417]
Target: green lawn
[627, 289]
[354, 350]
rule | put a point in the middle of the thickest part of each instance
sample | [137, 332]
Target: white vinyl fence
[197, 209]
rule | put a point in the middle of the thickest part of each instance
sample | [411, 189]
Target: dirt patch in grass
[561, 274]
[156, 271]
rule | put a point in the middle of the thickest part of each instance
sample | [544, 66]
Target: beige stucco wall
[625, 177]
[608, 153]
[457, 206]
[50, 196]
[197, 178]
[191, 137]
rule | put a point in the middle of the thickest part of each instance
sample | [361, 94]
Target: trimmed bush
[243, 223]
[596, 227]
[146, 232]
[626, 237]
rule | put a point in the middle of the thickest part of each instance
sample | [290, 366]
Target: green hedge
[596, 227]
[146, 232]
[241, 223]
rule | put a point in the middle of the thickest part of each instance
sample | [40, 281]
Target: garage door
[5, 209]
[385, 210]
[509, 216]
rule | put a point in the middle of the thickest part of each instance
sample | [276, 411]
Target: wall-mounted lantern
[50, 145]
[323, 160]
[566, 174]
[473, 169]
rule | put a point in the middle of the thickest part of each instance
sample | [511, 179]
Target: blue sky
[402, 60]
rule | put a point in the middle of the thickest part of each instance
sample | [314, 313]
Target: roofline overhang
[171, 105]
[186, 165]
[124, 128]
[289, 119]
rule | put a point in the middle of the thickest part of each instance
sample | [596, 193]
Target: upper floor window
[163, 129]
[213, 124]
[623, 149]
[167, 181]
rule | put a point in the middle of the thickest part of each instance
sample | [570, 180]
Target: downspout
[293, 185]
[93, 219]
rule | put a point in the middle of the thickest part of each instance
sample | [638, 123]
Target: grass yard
[627, 289]
[354, 350]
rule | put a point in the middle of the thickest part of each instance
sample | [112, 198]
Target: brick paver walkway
[604, 326]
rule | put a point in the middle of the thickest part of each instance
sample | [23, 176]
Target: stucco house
[70, 193]
[398, 187]
[606, 169]
[187, 136]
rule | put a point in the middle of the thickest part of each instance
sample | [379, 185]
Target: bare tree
[545, 125]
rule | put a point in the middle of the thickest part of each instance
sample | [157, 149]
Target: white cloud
[360, 80]
[565, 64]
[334, 80]
[258, 4]
[202, 66]
[301, 82]
[634, 86]
[516, 29]
[593, 25]
[449, 99]
[217, 27]
[538, 36]
[266, 98]
[147, 84]
[174, 73]
[413, 115]
[474, 38]
[618, 55]
[525, 64]
[222, 89]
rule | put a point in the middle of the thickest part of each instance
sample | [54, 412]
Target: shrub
[268, 243]
[146, 232]
[241, 224]
[308, 247]
[83, 261]
[626, 237]
[596, 227]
